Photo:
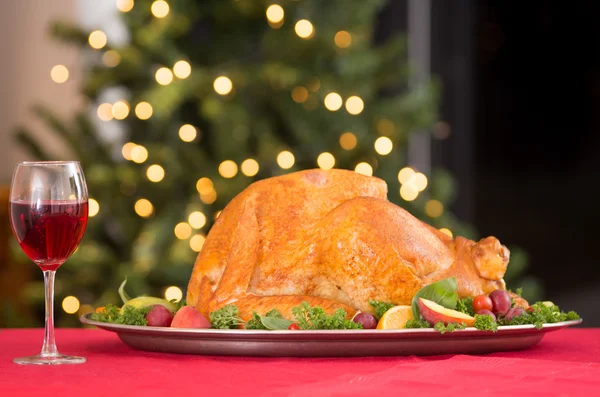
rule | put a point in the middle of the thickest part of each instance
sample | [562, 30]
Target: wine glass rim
[61, 162]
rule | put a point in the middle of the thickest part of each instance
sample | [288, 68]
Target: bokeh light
[182, 69]
[197, 242]
[326, 161]
[111, 58]
[97, 39]
[286, 160]
[139, 154]
[143, 110]
[419, 181]
[446, 231]
[342, 39]
[299, 94]
[160, 9]
[126, 150]
[182, 230]
[348, 141]
[59, 74]
[155, 173]
[333, 101]
[209, 198]
[163, 76]
[204, 186]
[354, 105]
[105, 112]
[222, 85]
[405, 175]
[364, 169]
[250, 167]
[187, 133]
[70, 304]
[434, 208]
[383, 145]
[120, 110]
[173, 293]
[408, 192]
[143, 208]
[275, 13]
[304, 29]
[93, 207]
[197, 220]
[228, 169]
[125, 5]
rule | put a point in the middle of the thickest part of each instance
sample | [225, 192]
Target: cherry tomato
[482, 302]
[293, 326]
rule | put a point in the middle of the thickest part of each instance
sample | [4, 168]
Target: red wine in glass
[49, 231]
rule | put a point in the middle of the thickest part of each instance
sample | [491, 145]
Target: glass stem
[49, 347]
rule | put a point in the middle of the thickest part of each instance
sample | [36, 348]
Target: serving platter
[337, 343]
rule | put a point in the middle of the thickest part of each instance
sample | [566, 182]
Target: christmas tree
[207, 97]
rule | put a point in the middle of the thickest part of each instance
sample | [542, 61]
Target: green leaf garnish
[484, 322]
[412, 323]
[309, 317]
[122, 293]
[226, 317]
[465, 305]
[442, 292]
[451, 327]
[379, 308]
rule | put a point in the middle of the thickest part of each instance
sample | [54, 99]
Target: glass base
[49, 360]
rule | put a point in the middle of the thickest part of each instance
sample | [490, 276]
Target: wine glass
[49, 213]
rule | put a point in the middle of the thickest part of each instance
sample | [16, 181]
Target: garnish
[483, 322]
[540, 314]
[442, 292]
[451, 327]
[124, 296]
[379, 308]
[128, 316]
[312, 318]
[226, 317]
[272, 320]
[465, 305]
[412, 323]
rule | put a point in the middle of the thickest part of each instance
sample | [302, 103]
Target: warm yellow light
[182, 231]
[160, 8]
[364, 168]
[197, 220]
[59, 74]
[197, 242]
[314, 85]
[383, 145]
[120, 110]
[408, 193]
[70, 304]
[304, 29]
[286, 160]
[143, 208]
[139, 154]
[182, 69]
[333, 101]
[447, 232]
[143, 110]
[228, 169]
[163, 76]
[93, 207]
[222, 85]
[85, 309]
[275, 13]
[124, 5]
[126, 150]
[105, 112]
[405, 174]
[173, 293]
[419, 181]
[97, 39]
[299, 94]
[385, 127]
[204, 186]
[354, 105]
[208, 198]
[348, 141]
[342, 39]
[250, 167]
[326, 161]
[187, 133]
[111, 58]
[155, 173]
[434, 208]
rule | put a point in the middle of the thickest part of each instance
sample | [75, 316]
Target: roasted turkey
[330, 238]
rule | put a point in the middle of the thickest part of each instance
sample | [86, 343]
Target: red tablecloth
[565, 363]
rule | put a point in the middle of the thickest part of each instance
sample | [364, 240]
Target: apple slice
[434, 313]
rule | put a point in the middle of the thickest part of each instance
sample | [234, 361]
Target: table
[566, 362]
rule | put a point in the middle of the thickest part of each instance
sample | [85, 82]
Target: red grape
[159, 316]
[501, 301]
[367, 320]
[482, 302]
[514, 312]
[485, 312]
[294, 326]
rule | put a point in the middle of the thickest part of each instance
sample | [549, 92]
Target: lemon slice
[395, 318]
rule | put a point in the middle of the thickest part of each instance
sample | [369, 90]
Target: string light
[405, 175]
[275, 13]
[204, 186]
[105, 112]
[155, 173]
[126, 150]
[125, 5]
[197, 220]
[97, 39]
[173, 293]
[182, 230]
[419, 181]
[286, 160]
[354, 105]
[139, 154]
[304, 29]
[333, 101]
[120, 110]
[182, 69]
[93, 207]
[187, 133]
[250, 167]
[383, 145]
[143, 110]
[434, 208]
[408, 193]
[160, 9]
[197, 242]
[143, 208]
[228, 169]
[222, 85]
[209, 198]
[164, 76]
[299, 94]
[326, 161]
[348, 141]
[59, 74]
[111, 58]
[70, 304]
[447, 232]
[342, 39]
[314, 85]
[364, 169]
